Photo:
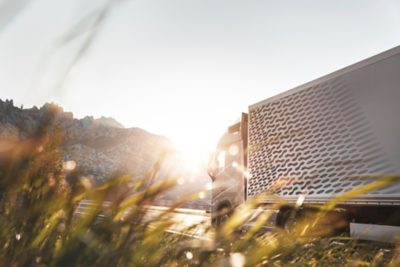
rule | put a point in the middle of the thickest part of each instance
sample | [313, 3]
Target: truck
[315, 143]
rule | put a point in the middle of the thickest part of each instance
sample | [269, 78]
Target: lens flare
[189, 255]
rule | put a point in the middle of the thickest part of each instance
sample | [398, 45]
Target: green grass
[38, 226]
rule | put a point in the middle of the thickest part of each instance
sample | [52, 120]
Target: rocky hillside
[100, 147]
[103, 147]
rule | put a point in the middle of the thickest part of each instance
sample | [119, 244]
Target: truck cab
[228, 171]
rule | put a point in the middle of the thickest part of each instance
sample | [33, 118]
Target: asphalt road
[188, 222]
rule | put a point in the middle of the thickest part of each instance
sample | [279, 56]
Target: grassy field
[39, 195]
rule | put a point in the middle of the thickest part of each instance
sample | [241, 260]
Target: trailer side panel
[331, 135]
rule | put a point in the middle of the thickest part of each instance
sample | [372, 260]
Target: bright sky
[186, 69]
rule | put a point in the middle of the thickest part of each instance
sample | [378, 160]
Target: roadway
[189, 222]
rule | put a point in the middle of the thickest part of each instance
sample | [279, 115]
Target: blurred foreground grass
[38, 225]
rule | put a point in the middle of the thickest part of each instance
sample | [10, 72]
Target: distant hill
[100, 147]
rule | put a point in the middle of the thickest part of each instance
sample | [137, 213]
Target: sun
[194, 150]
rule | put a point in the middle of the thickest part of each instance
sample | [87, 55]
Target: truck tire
[223, 214]
[287, 219]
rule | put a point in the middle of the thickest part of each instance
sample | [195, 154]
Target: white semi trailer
[318, 141]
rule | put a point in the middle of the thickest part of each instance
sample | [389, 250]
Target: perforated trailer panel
[331, 135]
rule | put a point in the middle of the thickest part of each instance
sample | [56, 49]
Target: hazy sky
[184, 68]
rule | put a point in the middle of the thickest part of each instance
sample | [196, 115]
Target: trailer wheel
[287, 219]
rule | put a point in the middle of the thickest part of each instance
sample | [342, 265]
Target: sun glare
[194, 151]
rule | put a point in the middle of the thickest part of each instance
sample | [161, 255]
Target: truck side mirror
[217, 164]
[212, 168]
[210, 172]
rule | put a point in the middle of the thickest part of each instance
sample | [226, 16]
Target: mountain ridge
[100, 146]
